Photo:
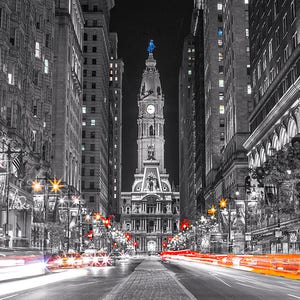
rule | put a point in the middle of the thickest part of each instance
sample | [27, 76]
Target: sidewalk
[150, 281]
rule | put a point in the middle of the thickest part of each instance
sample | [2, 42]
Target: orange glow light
[36, 186]
[212, 210]
[56, 186]
[223, 203]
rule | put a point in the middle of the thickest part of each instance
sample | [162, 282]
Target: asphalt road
[89, 283]
[212, 282]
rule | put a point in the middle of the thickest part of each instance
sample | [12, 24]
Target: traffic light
[248, 185]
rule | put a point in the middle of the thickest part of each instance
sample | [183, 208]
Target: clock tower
[150, 212]
[150, 120]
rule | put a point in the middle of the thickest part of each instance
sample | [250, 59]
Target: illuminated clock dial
[150, 109]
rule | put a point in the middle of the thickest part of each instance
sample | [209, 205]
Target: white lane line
[84, 283]
[220, 279]
[293, 296]
[9, 296]
[253, 287]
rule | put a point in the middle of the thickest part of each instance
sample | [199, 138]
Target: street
[213, 282]
[90, 283]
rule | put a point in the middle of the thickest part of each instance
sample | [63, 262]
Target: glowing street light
[223, 203]
[36, 186]
[212, 210]
[56, 185]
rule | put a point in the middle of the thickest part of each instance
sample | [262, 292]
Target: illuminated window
[270, 49]
[249, 90]
[116, 119]
[189, 72]
[221, 56]
[221, 83]
[93, 122]
[219, 6]
[116, 78]
[221, 96]
[37, 50]
[10, 78]
[116, 65]
[220, 43]
[264, 60]
[46, 66]
[110, 78]
[221, 109]
[247, 32]
[83, 147]
[115, 145]
[84, 109]
[110, 65]
[83, 123]
[246, 1]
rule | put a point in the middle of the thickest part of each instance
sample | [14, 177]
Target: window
[221, 70]
[92, 185]
[220, 43]
[248, 69]
[47, 40]
[264, 60]
[259, 69]
[294, 41]
[284, 24]
[84, 109]
[249, 90]
[83, 123]
[93, 97]
[293, 12]
[220, 18]
[286, 53]
[94, 49]
[85, 36]
[219, 6]
[92, 159]
[85, 61]
[221, 83]
[247, 32]
[92, 199]
[220, 31]
[277, 38]
[93, 85]
[222, 123]
[95, 8]
[221, 109]
[84, 97]
[94, 37]
[276, 8]
[222, 136]
[84, 73]
[93, 122]
[95, 23]
[94, 73]
[83, 147]
[221, 56]
[92, 147]
[93, 110]
[46, 66]
[189, 72]
[83, 134]
[270, 49]
[246, 1]
[221, 96]
[94, 61]
[37, 50]
[93, 134]
[92, 172]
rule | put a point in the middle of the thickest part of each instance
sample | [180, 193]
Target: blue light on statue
[220, 31]
[151, 47]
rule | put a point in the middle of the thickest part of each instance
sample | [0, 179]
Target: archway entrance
[151, 246]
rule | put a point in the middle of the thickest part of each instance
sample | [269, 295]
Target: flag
[19, 164]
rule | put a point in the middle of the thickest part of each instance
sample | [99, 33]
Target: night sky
[167, 22]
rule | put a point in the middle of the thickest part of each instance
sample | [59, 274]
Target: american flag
[18, 163]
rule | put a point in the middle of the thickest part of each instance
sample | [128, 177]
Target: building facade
[150, 212]
[26, 68]
[95, 108]
[116, 69]
[274, 122]
[187, 147]
[67, 92]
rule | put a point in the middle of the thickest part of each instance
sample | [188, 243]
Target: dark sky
[167, 22]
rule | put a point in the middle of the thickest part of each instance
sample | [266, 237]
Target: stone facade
[150, 212]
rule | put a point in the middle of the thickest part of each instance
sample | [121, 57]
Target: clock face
[150, 109]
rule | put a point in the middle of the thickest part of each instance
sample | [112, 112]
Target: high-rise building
[116, 69]
[275, 76]
[95, 108]
[187, 155]
[26, 68]
[67, 91]
[151, 210]
[192, 119]
[214, 92]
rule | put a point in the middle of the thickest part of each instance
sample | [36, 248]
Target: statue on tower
[151, 152]
[151, 47]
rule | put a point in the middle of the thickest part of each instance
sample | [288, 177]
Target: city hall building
[150, 212]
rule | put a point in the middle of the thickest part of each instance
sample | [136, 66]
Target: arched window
[262, 155]
[275, 143]
[151, 131]
[292, 129]
[283, 138]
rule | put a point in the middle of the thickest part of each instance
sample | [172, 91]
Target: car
[71, 260]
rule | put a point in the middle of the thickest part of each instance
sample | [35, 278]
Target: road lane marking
[293, 296]
[220, 279]
[254, 287]
[9, 296]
